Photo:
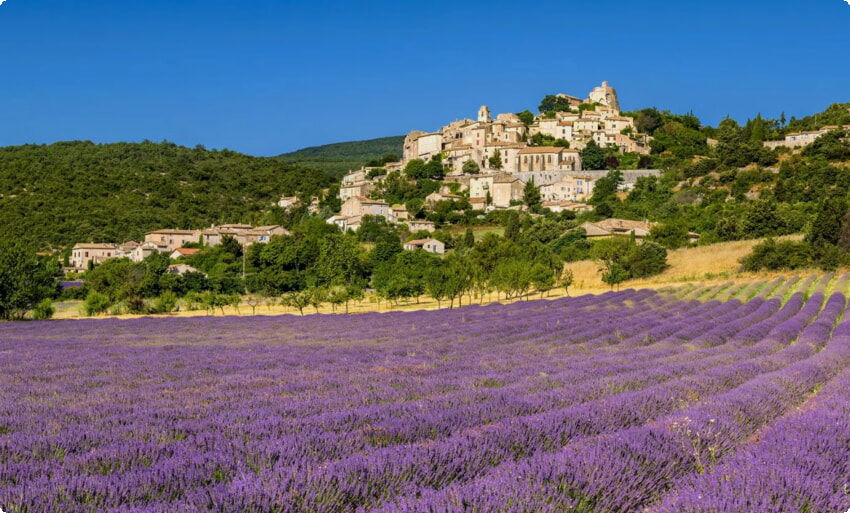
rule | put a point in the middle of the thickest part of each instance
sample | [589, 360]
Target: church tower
[484, 114]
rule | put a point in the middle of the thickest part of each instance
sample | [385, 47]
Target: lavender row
[365, 480]
[628, 470]
[800, 463]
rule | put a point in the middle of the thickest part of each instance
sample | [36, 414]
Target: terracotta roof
[187, 251]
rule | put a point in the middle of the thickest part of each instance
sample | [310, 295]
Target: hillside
[336, 159]
[68, 192]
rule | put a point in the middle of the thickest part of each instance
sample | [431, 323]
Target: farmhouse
[429, 245]
[84, 253]
[612, 227]
[183, 252]
[173, 239]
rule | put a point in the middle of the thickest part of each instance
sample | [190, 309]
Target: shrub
[43, 310]
[96, 304]
[772, 255]
[165, 303]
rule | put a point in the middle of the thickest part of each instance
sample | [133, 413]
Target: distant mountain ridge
[338, 158]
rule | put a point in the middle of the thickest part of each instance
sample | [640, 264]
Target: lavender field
[725, 399]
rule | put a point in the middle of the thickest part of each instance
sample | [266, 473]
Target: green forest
[338, 158]
[53, 196]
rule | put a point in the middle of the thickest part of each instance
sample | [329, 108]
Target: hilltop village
[492, 160]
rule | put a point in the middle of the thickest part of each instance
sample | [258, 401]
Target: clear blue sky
[265, 77]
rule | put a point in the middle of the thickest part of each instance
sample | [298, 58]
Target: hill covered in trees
[67, 192]
[338, 158]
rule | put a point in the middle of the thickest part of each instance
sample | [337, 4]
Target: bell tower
[484, 114]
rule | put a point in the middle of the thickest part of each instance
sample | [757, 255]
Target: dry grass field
[699, 264]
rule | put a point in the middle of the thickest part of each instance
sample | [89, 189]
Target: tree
[605, 189]
[671, 235]
[645, 259]
[827, 227]
[415, 168]
[762, 219]
[614, 276]
[435, 284]
[511, 225]
[592, 156]
[566, 280]
[468, 238]
[531, 196]
[542, 278]
[229, 244]
[649, 120]
[526, 116]
[457, 277]
[25, 280]
[496, 160]
[471, 167]
[299, 300]
[554, 103]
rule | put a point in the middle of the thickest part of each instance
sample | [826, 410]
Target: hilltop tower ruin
[604, 95]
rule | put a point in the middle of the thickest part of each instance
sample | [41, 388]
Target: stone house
[429, 245]
[456, 156]
[480, 185]
[172, 239]
[353, 177]
[506, 188]
[571, 187]
[435, 197]
[415, 225]
[83, 253]
[146, 249]
[478, 203]
[360, 206]
[560, 206]
[399, 213]
[263, 234]
[612, 227]
[355, 189]
[287, 202]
